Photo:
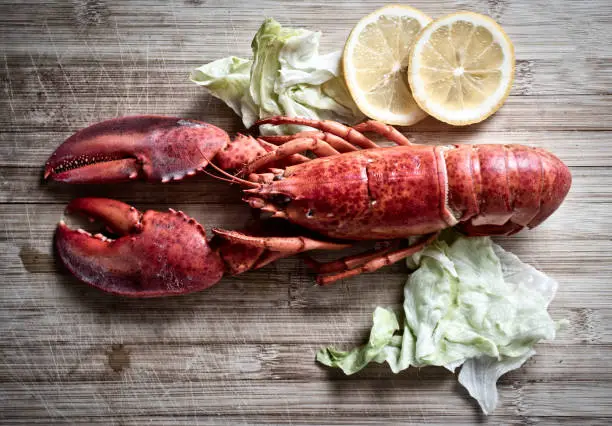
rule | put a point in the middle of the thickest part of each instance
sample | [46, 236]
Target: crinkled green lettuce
[468, 303]
[228, 79]
[287, 76]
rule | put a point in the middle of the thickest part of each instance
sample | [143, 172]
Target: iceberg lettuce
[469, 303]
[287, 76]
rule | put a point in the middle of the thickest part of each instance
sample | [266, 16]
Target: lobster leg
[345, 132]
[389, 132]
[378, 262]
[295, 244]
[317, 146]
[244, 149]
[263, 249]
[336, 142]
[348, 262]
[386, 131]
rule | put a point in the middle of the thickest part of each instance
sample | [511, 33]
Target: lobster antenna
[235, 178]
[229, 177]
[218, 177]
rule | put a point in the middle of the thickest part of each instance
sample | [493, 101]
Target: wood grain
[243, 351]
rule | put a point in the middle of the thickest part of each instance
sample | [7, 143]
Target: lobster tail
[500, 189]
[556, 182]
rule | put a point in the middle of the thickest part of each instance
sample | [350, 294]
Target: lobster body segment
[356, 190]
[372, 194]
[402, 191]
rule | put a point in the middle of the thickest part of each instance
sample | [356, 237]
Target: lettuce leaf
[287, 76]
[469, 303]
[228, 79]
[479, 376]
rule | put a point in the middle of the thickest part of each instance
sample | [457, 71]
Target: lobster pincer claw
[155, 254]
[155, 148]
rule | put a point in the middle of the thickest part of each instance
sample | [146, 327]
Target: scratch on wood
[146, 85]
[42, 86]
[126, 107]
[165, 68]
[111, 82]
[95, 101]
[9, 87]
[59, 63]
[29, 223]
[10, 96]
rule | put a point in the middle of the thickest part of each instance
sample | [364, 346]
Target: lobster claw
[156, 253]
[156, 148]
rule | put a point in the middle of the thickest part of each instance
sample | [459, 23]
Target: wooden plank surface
[243, 351]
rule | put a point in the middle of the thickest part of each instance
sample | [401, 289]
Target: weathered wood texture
[243, 351]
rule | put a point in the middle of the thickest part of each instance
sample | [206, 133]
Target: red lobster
[354, 191]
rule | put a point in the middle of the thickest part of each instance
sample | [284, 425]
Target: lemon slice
[375, 61]
[461, 68]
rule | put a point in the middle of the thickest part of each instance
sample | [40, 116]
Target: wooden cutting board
[243, 351]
